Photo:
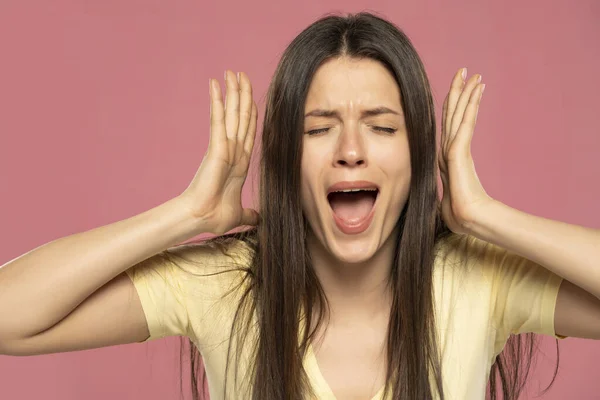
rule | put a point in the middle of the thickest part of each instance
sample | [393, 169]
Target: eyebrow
[364, 114]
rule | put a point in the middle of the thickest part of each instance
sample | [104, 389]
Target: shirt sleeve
[158, 282]
[523, 292]
[184, 289]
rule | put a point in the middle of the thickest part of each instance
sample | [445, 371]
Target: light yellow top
[483, 293]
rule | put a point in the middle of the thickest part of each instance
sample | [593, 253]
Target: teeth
[356, 190]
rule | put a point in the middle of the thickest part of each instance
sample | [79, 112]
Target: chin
[355, 251]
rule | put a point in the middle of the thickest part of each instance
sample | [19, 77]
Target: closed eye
[377, 128]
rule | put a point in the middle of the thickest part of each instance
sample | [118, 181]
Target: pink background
[104, 114]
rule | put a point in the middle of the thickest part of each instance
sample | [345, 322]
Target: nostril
[344, 162]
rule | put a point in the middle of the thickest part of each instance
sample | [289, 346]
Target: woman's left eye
[377, 128]
[388, 130]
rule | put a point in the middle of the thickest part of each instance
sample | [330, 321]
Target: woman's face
[350, 146]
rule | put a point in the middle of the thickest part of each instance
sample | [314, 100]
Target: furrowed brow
[364, 114]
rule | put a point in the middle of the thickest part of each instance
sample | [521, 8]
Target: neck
[355, 290]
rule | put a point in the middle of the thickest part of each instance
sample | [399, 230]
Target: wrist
[480, 218]
[184, 225]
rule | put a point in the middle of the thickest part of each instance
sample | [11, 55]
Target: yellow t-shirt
[483, 293]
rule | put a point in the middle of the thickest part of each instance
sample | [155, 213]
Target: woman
[357, 282]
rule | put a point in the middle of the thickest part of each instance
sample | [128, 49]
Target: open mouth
[353, 207]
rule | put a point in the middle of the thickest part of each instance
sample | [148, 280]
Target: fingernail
[464, 73]
[479, 79]
[482, 88]
[238, 77]
[225, 74]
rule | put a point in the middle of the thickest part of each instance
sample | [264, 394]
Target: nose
[350, 149]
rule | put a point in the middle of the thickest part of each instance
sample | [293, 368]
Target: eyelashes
[377, 128]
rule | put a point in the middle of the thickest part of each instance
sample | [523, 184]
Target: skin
[353, 269]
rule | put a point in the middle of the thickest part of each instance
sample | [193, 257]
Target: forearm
[570, 251]
[42, 286]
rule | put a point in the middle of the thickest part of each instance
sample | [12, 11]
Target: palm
[214, 194]
[463, 193]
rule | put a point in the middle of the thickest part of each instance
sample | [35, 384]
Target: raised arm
[73, 294]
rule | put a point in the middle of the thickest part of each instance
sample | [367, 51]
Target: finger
[249, 217]
[463, 100]
[443, 174]
[442, 163]
[445, 185]
[217, 115]
[442, 147]
[444, 116]
[456, 88]
[245, 107]
[467, 127]
[232, 105]
[249, 143]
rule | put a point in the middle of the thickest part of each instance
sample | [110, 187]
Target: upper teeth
[355, 190]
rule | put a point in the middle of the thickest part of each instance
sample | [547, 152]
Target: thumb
[249, 217]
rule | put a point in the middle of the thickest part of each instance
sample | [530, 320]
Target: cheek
[394, 161]
[393, 157]
[305, 190]
[308, 182]
[397, 166]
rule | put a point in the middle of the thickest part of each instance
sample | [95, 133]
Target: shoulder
[221, 261]
[466, 257]
[454, 250]
[215, 253]
[485, 262]
[214, 276]
[206, 266]
[462, 245]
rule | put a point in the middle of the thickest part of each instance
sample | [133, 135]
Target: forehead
[349, 83]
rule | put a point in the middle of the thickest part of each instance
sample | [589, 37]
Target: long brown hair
[280, 280]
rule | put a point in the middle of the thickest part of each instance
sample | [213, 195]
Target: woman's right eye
[317, 131]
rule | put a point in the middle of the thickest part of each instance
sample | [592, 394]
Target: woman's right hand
[214, 195]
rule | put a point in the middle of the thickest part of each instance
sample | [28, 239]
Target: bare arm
[112, 315]
[72, 293]
[42, 287]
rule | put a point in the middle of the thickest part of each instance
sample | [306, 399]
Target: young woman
[356, 281]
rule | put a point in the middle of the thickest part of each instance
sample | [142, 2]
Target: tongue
[352, 207]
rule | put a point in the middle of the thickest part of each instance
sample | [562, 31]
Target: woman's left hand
[463, 194]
